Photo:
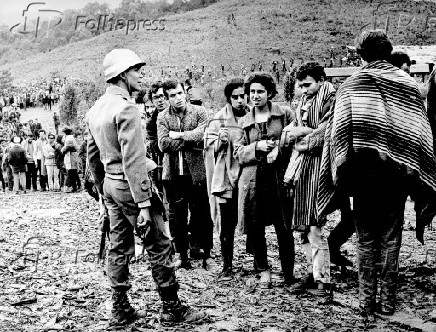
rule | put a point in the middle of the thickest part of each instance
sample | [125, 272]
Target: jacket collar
[275, 110]
[228, 112]
[172, 111]
[116, 90]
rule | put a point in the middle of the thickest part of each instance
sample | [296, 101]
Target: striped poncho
[303, 168]
[380, 107]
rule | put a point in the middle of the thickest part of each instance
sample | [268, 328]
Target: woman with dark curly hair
[263, 156]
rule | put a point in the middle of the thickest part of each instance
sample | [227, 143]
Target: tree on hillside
[69, 106]
[94, 9]
[5, 79]
[129, 7]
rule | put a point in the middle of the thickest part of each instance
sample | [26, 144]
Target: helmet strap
[126, 81]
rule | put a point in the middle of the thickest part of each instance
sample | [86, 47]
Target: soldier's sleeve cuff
[145, 185]
[144, 204]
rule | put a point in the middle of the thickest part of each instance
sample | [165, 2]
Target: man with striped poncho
[302, 175]
[378, 146]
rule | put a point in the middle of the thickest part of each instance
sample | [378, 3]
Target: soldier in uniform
[118, 162]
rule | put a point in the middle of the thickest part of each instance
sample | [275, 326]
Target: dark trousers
[72, 179]
[270, 205]
[380, 194]
[285, 240]
[31, 176]
[42, 178]
[8, 177]
[123, 213]
[62, 176]
[229, 220]
[183, 195]
[344, 229]
[3, 181]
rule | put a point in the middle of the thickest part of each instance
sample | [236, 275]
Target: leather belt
[116, 176]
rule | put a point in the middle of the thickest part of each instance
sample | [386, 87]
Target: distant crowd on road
[201, 74]
[38, 93]
[29, 153]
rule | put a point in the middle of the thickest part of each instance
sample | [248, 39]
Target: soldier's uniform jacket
[115, 143]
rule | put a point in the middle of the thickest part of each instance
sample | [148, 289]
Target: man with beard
[118, 162]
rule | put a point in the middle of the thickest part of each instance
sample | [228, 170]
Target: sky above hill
[11, 12]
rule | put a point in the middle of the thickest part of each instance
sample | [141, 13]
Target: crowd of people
[32, 159]
[201, 74]
[52, 160]
[252, 164]
[37, 93]
[256, 163]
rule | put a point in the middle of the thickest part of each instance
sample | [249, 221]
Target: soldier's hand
[103, 209]
[144, 218]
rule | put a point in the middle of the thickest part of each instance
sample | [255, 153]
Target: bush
[69, 105]
[78, 99]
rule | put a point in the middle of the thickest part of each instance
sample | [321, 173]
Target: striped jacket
[379, 108]
[308, 162]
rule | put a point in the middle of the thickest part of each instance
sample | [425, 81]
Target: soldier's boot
[122, 312]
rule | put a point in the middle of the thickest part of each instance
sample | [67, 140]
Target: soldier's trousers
[123, 213]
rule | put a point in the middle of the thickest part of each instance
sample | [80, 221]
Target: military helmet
[118, 61]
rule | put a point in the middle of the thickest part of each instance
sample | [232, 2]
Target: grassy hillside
[263, 30]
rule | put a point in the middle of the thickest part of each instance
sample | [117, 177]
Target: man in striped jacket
[378, 142]
[312, 115]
